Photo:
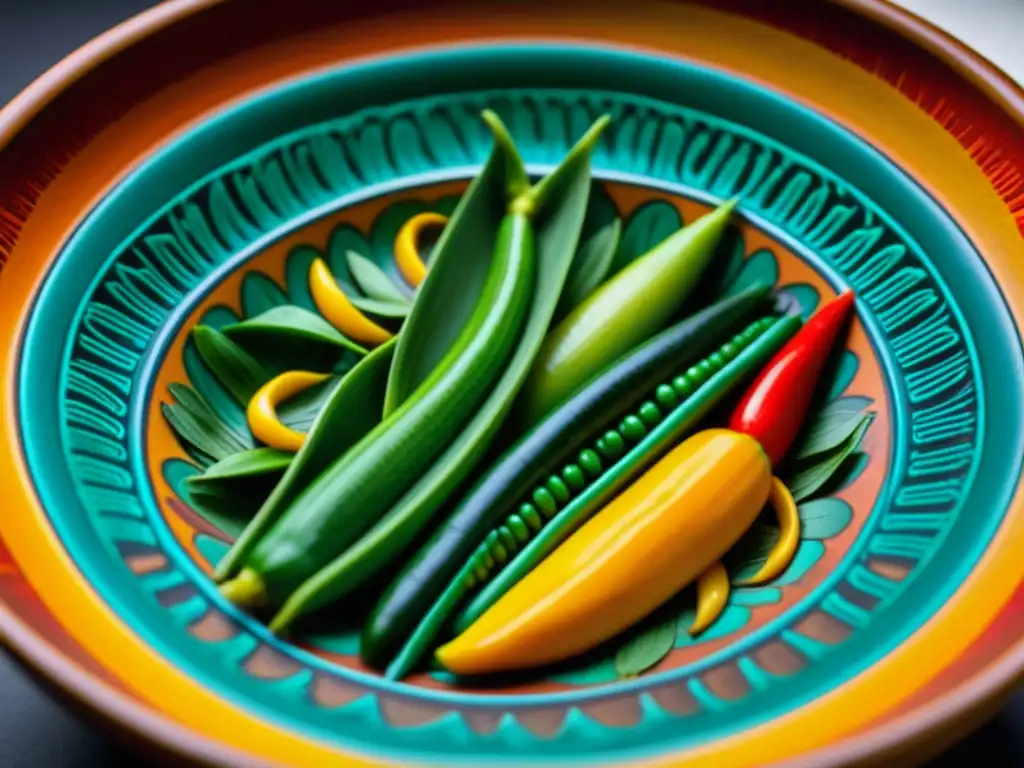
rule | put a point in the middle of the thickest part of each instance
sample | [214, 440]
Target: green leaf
[343, 239]
[372, 279]
[824, 518]
[192, 400]
[828, 431]
[353, 409]
[646, 648]
[260, 293]
[256, 461]
[590, 265]
[382, 308]
[239, 372]
[197, 425]
[447, 296]
[848, 403]
[646, 227]
[808, 479]
[205, 383]
[288, 324]
[558, 224]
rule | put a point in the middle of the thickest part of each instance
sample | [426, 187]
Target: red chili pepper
[773, 409]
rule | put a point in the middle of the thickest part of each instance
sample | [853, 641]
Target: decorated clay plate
[554, 383]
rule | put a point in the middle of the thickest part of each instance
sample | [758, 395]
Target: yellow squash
[664, 532]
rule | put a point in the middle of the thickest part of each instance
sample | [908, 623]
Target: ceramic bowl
[187, 167]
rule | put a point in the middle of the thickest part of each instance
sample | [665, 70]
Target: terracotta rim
[138, 721]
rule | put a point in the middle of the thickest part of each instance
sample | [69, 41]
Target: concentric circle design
[840, 206]
[939, 113]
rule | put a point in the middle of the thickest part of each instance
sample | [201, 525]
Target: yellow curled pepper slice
[781, 500]
[407, 253]
[262, 411]
[712, 597]
[334, 305]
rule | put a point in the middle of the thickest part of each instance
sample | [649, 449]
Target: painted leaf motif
[210, 389]
[646, 648]
[799, 297]
[238, 371]
[824, 518]
[645, 227]
[343, 239]
[260, 293]
[372, 279]
[807, 556]
[300, 260]
[218, 316]
[196, 425]
[844, 372]
[760, 267]
[590, 266]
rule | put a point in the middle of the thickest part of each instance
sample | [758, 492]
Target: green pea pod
[540, 454]
[649, 438]
[558, 204]
[649, 450]
[633, 305]
[360, 486]
[351, 412]
[448, 295]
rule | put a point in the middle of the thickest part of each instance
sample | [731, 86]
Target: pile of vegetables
[522, 481]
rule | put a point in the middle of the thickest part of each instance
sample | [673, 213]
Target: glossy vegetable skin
[774, 407]
[643, 437]
[350, 413]
[661, 534]
[534, 457]
[653, 445]
[358, 488]
[334, 305]
[557, 203]
[627, 309]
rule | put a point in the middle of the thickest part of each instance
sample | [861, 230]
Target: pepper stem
[246, 590]
[516, 180]
[534, 198]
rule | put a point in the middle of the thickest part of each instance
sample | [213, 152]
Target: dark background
[34, 732]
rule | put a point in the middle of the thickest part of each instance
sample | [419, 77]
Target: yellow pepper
[262, 410]
[667, 530]
[336, 308]
[407, 254]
